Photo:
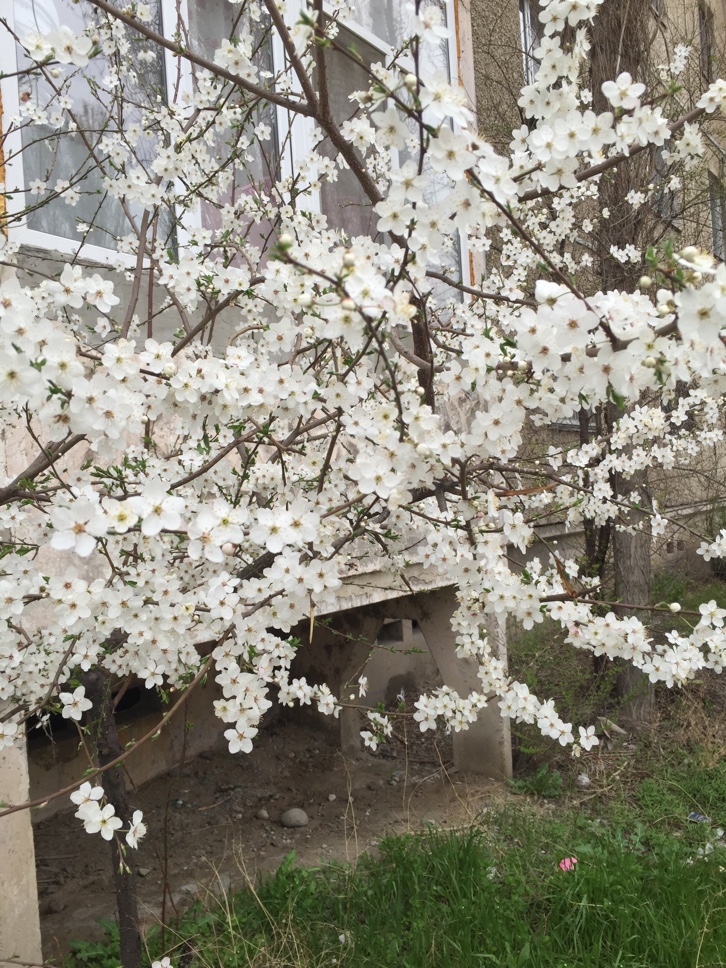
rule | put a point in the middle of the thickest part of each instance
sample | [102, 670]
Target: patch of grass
[493, 894]
[543, 783]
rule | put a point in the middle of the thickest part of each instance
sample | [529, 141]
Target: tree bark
[620, 42]
[108, 747]
[633, 580]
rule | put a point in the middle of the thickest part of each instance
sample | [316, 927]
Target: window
[55, 184]
[374, 30]
[115, 132]
[706, 38]
[531, 35]
[92, 129]
[717, 199]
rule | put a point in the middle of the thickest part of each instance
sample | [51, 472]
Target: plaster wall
[19, 924]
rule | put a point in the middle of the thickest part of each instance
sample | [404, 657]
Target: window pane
[52, 152]
[344, 201]
[387, 20]
[532, 31]
[239, 162]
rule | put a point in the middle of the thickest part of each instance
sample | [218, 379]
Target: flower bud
[347, 304]
[689, 253]
[285, 240]
[411, 82]
[55, 72]
[305, 300]
[674, 607]
[645, 282]
[650, 362]
[348, 260]
[169, 370]
[228, 548]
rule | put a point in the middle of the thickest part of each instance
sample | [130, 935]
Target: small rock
[53, 905]
[222, 884]
[331, 797]
[143, 871]
[582, 781]
[262, 814]
[294, 817]
[189, 889]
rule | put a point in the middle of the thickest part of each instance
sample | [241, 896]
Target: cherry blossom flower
[137, 829]
[101, 820]
[75, 703]
[623, 92]
[157, 508]
[70, 48]
[8, 733]
[86, 794]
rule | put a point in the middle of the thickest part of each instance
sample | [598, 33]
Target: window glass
[240, 162]
[531, 29]
[343, 200]
[387, 20]
[54, 152]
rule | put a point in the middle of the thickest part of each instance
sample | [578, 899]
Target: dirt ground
[207, 822]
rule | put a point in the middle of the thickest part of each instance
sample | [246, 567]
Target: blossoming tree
[258, 393]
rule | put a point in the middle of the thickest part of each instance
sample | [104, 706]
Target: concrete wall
[56, 761]
[498, 68]
[19, 924]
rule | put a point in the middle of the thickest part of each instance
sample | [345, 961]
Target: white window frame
[19, 231]
[294, 132]
[530, 32]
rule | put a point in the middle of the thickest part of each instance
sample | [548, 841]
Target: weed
[543, 783]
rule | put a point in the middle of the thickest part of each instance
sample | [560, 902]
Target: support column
[485, 747]
[337, 655]
[19, 916]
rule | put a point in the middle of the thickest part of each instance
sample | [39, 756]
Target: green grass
[491, 895]
[642, 895]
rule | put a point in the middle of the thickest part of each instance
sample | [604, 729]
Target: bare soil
[208, 831]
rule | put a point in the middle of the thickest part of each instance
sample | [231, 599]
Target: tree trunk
[108, 747]
[632, 560]
[620, 42]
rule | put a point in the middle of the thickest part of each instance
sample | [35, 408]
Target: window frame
[294, 133]
[530, 37]
[19, 232]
